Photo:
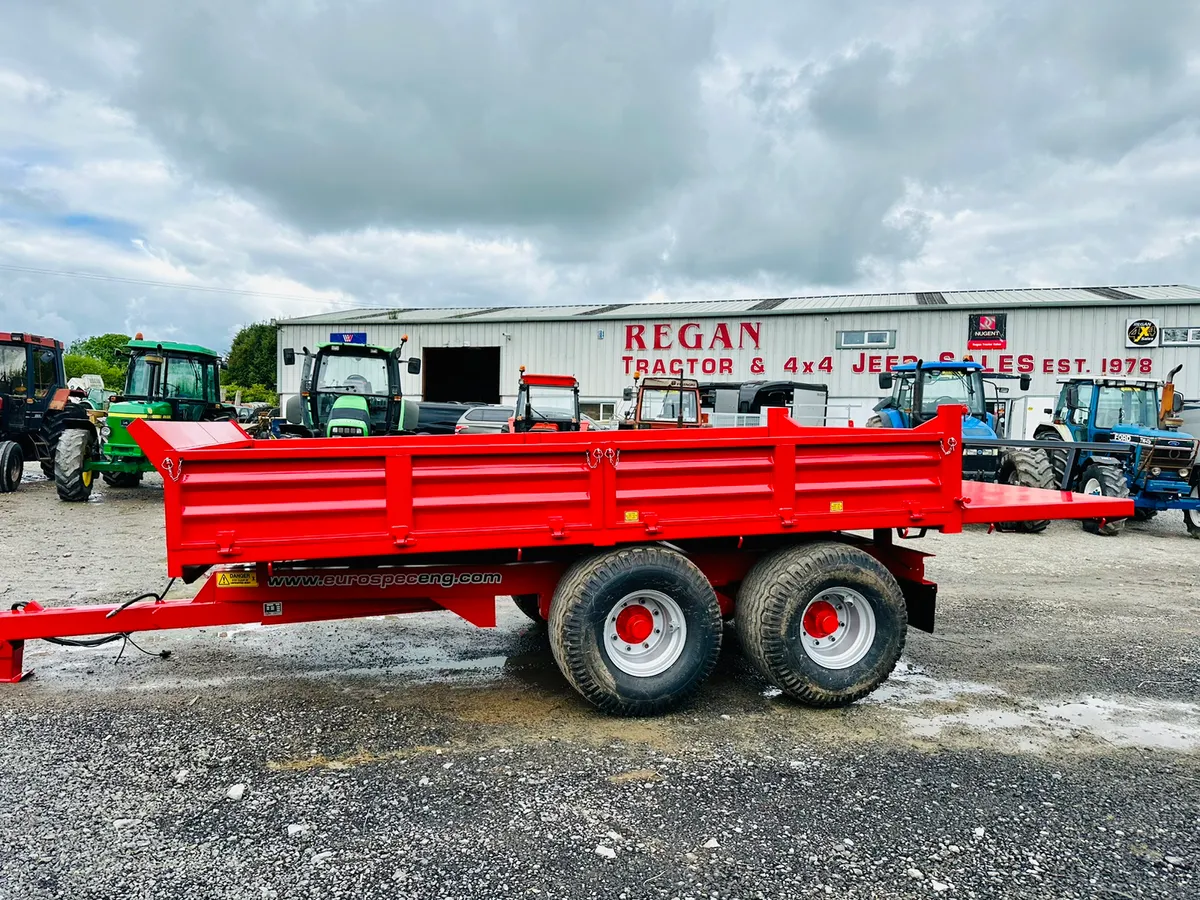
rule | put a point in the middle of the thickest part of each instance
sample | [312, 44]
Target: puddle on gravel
[1155, 725]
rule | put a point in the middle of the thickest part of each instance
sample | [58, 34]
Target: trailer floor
[1045, 743]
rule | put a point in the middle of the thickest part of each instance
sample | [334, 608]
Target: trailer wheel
[635, 631]
[528, 604]
[1107, 481]
[12, 466]
[71, 477]
[1027, 469]
[824, 622]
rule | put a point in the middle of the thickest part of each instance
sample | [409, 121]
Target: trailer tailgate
[988, 503]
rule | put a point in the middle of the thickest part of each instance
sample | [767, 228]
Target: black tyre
[1028, 469]
[1144, 515]
[12, 466]
[875, 422]
[122, 479]
[1099, 479]
[635, 631]
[796, 605]
[528, 604]
[71, 477]
[1056, 458]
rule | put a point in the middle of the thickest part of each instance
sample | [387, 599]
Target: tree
[77, 365]
[103, 347]
[251, 358]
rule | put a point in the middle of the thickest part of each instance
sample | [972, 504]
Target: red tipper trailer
[632, 546]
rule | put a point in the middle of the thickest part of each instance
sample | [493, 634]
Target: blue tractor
[918, 389]
[1157, 470]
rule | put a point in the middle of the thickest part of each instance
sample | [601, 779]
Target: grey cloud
[435, 115]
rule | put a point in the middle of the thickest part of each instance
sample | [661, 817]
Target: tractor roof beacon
[1135, 426]
[164, 380]
[351, 390]
[34, 399]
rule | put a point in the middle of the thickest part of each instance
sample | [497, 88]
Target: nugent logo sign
[988, 331]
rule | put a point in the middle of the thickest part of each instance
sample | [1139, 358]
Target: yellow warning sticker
[237, 579]
[835, 505]
[631, 515]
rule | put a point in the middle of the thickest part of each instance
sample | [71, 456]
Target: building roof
[1130, 295]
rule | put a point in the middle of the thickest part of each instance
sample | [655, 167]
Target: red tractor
[33, 401]
[547, 403]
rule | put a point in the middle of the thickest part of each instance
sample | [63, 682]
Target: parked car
[484, 420]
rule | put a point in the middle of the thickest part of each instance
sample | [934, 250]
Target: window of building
[874, 339]
[1181, 336]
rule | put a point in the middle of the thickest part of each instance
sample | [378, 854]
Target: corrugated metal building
[840, 340]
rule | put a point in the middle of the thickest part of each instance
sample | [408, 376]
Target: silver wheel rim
[846, 643]
[1092, 487]
[652, 616]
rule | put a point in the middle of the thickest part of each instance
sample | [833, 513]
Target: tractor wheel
[1101, 480]
[528, 604]
[122, 479]
[1027, 469]
[825, 622]
[12, 466]
[875, 422]
[1057, 458]
[635, 631]
[71, 477]
[1144, 515]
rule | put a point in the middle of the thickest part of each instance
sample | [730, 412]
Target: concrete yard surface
[1044, 743]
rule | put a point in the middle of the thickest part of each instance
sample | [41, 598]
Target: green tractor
[165, 380]
[351, 390]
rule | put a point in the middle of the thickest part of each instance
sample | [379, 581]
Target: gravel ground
[1045, 743]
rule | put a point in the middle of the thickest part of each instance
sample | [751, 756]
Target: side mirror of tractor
[627, 394]
[1026, 381]
[1177, 403]
[289, 356]
[885, 381]
[414, 366]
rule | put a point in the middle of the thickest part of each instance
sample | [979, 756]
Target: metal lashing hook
[174, 472]
[614, 457]
[593, 458]
[948, 446]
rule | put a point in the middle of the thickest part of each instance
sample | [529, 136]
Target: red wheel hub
[820, 620]
[634, 624]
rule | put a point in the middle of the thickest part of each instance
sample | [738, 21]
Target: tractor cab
[164, 380]
[32, 386]
[1133, 412]
[663, 403]
[546, 403]
[351, 390]
[918, 389]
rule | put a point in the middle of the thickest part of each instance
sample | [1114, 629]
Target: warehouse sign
[988, 331]
[1141, 333]
[348, 337]
[693, 350]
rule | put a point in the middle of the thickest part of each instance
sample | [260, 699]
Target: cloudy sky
[316, 154]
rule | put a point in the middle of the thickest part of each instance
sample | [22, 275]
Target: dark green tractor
[351, 390]
[165, 380]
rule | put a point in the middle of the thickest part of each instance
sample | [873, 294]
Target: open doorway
[468, 374]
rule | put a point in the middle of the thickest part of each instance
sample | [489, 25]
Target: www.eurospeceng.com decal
[383, 580]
